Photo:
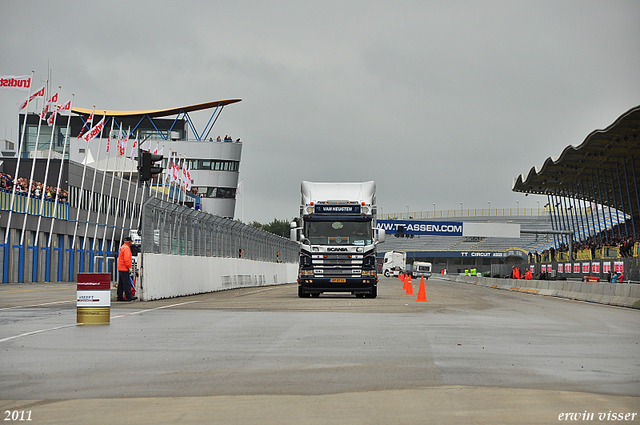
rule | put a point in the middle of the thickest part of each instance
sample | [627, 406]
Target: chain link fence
[173, 229]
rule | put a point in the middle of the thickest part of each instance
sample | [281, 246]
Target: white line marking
[37, 305]
[36, 332]
[76, 324]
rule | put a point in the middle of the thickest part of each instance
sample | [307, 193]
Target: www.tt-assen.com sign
[408, 227]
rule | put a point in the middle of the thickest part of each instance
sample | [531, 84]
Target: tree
[277, 227]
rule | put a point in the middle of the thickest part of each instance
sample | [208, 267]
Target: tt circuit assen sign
[408, 227]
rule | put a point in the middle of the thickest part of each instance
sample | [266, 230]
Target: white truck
[395, 262]
[421, 269]
[338, 238]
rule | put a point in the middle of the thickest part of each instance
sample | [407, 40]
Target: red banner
[11, 82]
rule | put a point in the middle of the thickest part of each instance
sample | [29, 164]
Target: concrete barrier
[168, 276]
[619, 294]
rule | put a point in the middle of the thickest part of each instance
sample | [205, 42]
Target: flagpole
[104, 177]
[64, 149]
[170, 172]
[164, 177]
[115, 219]
[93, 184]
[135, 197]
[81, 193]
[46, 175]
[124, 216]
[15, 175]
[33, 168]
[115, 222]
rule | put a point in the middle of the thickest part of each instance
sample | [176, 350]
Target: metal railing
[173, 229]
[472, 212]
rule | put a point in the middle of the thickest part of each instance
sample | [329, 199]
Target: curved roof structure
[604, 169]
[156, 113]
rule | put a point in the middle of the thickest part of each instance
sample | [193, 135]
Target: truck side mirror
[293, 231]
[382, 235]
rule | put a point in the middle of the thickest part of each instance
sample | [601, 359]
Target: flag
[39, 93]
[170, 170]
[188, 175]
[155, 151]
[119, 136]
[134, 148]
[88, 123]
[48, 105]
[91, 134]
[176, 170]
[11, 82]
[109, 137]
[239, 188]
[124, 143]
[65, 107]
[184, 174]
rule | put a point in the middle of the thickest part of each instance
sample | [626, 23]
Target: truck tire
[302, 294]
[386, 273]
[373, 294]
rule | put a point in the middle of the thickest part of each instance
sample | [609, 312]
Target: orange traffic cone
[422, 292]
[409, 286]
[404, 285]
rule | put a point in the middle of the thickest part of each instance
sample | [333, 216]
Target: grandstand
[598, 176]
[591, 191]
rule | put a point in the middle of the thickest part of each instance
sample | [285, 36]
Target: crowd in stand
[615, 237]
[35, 188]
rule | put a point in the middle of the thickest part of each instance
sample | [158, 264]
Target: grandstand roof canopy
[156, 113]
[604, 169]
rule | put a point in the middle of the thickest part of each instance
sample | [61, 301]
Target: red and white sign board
[618, 266]
[94, 298]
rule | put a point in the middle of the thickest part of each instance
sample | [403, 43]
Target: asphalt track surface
[471, 355]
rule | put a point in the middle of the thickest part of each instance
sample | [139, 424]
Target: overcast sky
[437, 101]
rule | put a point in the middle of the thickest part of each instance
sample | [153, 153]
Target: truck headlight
[368, 272]
[306, 272]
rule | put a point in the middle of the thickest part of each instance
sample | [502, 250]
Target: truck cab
[338, 237]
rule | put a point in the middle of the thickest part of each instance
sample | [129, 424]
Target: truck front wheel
[374, 293]
[302, 294]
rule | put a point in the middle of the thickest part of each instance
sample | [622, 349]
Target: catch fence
[173, 229]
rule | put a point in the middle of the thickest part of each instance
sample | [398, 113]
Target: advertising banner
[415, 227]
[12, 82]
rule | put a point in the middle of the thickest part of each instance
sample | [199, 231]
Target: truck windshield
[338, 232]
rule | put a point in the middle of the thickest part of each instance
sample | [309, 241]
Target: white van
[421, 269]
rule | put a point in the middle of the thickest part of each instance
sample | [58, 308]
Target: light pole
[517, 207]
[434, 210]
[489, 202]
[460, 209]
[407, 212]
[538, 202]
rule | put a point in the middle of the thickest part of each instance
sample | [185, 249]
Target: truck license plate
[335, 280]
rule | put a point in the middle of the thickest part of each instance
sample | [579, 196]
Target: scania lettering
[338, 238]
